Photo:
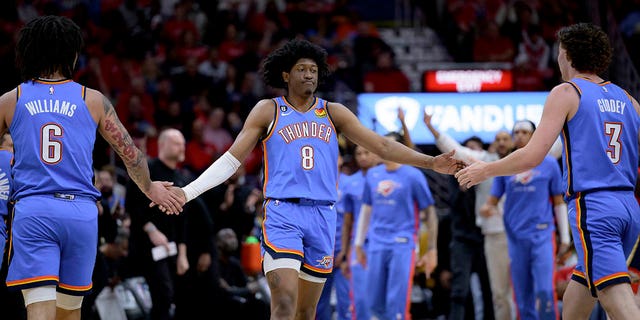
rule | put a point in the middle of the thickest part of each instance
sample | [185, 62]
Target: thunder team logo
[321, 113]
[386, 187]
[326, 261]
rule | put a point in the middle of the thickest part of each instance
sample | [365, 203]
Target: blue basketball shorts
[53, 242]
[304, 231]
[605, 226]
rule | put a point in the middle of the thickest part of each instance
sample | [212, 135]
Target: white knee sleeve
[310, 278]
[270, 264]
[68, 302]
[39, 294]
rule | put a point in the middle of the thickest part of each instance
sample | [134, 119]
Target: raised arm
[347, 123]
[117, 136]
[445, 143]
[406, 136]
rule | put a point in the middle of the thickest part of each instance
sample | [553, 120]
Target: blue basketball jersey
[527, 209]
[53, 134]
[5, 180]
[395, 198]
[301, 153]
[601, 140]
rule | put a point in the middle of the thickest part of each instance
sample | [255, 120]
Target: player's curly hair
[48, 44]
[588, 47]
[284, 58]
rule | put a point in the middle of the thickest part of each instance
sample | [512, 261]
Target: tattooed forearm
[120, 140]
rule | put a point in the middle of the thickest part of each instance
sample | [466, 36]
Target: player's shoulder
[9, 96]
[94, 97]
[566, 88]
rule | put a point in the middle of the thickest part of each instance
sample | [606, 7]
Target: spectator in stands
[152, 228]
[467, 249]
[386, 77]
[241, 294]
[491, 46]
[214, 134]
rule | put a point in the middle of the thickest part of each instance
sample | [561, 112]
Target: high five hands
[445, 163]
[169, 199]
[473, 174]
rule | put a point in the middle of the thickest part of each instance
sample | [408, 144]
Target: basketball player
[6, 156]
[393, 194]
[298, 133]
[530, 228]
[53, 121]
[599, 126]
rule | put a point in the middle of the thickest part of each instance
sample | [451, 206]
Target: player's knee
[68, 302]
[283, 305]
[39, 294]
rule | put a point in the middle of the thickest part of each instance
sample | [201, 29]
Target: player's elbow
[384, 148]
[531, 162]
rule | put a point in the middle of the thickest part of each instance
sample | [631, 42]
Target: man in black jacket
[152, 228]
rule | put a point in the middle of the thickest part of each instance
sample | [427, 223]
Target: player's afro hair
[48, 44]
[284, 58]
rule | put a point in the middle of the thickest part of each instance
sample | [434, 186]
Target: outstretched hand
[473, 174]
[445, 163]
[170, 199]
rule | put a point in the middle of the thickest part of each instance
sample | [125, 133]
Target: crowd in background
[194, 65]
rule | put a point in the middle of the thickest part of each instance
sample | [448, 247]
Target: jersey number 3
[50, 147]
[613, 130]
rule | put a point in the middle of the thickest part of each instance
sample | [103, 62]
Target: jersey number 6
[50, 148]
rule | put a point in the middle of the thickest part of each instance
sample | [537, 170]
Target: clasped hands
[169, 198]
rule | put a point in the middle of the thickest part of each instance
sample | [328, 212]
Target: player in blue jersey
[53, 122]
[599, 126]
[396, 198]
[337, 279]
[529, 225]
[352, 204]
[6, 156]
[298, 132]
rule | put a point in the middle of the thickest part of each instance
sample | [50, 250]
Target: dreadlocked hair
[46, 45]
[284, 58]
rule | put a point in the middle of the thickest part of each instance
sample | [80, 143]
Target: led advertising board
[460, 115]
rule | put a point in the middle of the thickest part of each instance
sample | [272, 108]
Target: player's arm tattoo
[121, 142]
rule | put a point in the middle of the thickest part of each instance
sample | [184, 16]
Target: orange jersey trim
[318, 270]
[313, 106]
[611, 277]
[566, 161]
[75, 288]
[575, 86]
[579, 274]
[52, 82]
[583, 242]
[31, 280]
